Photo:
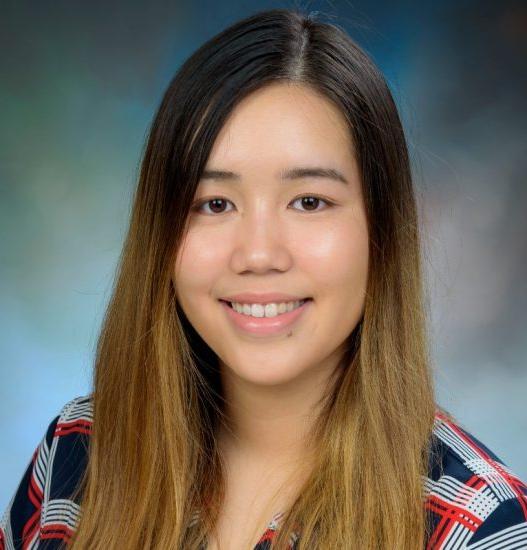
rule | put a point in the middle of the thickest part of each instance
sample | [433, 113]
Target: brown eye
[215, 205]
[310, 203]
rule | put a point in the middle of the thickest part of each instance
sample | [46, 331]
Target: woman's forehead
[285, 122]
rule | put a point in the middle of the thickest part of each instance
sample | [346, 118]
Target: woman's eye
[216, 202]
[309, 202]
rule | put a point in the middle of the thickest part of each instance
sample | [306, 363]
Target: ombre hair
[157, 395]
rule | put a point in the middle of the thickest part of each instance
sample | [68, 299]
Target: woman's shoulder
[44, 506]
[474, 499]
[72, 427]
[76, 416]
[68, 434]
[68, 447]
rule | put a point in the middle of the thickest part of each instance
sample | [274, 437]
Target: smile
[265, 320]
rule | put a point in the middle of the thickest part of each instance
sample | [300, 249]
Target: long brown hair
[157, 396]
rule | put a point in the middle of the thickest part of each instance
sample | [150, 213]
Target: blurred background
[80, 84]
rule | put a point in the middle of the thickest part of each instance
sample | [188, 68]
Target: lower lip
[265, 325]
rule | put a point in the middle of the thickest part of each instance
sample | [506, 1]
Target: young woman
[262, 375]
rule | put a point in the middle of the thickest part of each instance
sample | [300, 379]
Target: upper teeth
[266, 310]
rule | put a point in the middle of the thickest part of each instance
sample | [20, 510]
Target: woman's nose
[262, 243]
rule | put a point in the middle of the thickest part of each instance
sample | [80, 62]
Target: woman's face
[256, 232]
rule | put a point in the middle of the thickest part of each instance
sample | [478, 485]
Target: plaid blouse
[474, 500]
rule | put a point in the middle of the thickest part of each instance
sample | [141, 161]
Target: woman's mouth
[265, 319]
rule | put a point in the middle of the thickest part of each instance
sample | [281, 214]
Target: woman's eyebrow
[284, 175]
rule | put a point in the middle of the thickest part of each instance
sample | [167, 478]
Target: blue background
[80, 84]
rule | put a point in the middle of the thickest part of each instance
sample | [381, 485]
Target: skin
[264, 238]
